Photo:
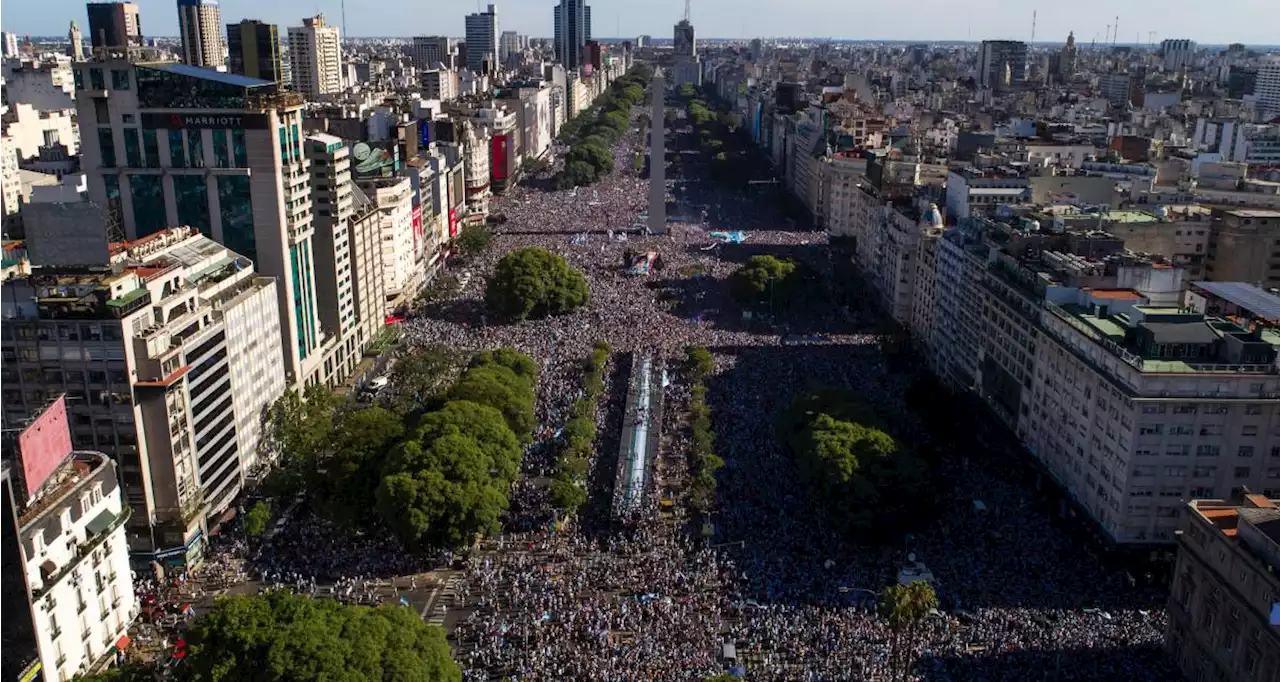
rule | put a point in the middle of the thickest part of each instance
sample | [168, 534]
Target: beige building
[333, 206]
[200, 26]
[1224, 606]
[1244, 246]
[315, 57]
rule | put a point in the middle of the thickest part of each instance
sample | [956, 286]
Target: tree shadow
[1063, 665]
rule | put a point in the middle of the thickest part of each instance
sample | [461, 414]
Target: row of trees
[703, 462]
[439, 461]
[533, 282]
[770, 282]
[569, 487]
[862, 477]
[716, 136]
[595, 130]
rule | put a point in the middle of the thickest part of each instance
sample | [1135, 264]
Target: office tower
[1002, 64]
[331, 196]
[438, 84]
[114, 25]
[643, 41]
[253, 50]
[1068, 58]
[1224, 605]
[685, 42]
[482, 40]
[315, 57]
[572, 31]
[508, 45]
[428, 51]
[10, 44]
[68, 592]
[1266, 88]
[1177, 53]
[76, 49]
[257, 201]
[200, 26]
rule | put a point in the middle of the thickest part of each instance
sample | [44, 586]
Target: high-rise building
[66, 559]
[685, 43]
[1068, 59]
[200, 26]
[508, 45]
[315, 57]
[428, 51]
[332, 197]
[76, 49]
[165, 350]
[258, 200]
[1177, 53]
[1266, 88]
[253, 50]
[1224, 605]
[8, 44]
[643, 42]
[1002, 64]
[114, 25]
[482, 40]
[572, 31]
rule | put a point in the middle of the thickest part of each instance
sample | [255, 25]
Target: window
[1151, 429]
[107, 145]
[221, 158]
[1215, 408]
[1177, 450]
[1144, 471]
[176, 158]
[1167, 512]
[1245, 451]
[96, 81]
[1211, 430]
[1175, 472]
[1184, 409]
[152, 148]
[195, 148]
[1242, 472]
[1249, 430]
[132, 149]
[119, 79]
[1180, 430]
[238, 149]
[1253, 409]
[1204, 472]
[1208, 450]
[1273, 472]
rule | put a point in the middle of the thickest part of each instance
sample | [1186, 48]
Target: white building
[31, 130]
[69, 559]
[200, 27]
[482, 40]
[394, 199]
[334, 205]
[315, 57]
[47, 84]
[1177, 53]
[1267, 89]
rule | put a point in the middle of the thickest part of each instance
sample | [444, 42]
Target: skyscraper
[1002, 64]
[685, 42]
[427, 51]
[315, 57]
[1267, 88]
[200, 26]
[76, 49]
[1177, 53]
[114, 24]
[482, 39]
[253, 49]
[572, 31]
[9, 48]
[508, 44]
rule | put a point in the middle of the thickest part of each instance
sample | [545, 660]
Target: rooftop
[223, 77]
[1245, 295]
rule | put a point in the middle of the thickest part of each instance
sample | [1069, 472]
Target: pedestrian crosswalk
[446, 598]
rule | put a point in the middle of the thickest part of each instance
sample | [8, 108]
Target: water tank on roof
[935, 216]
[1162, 212]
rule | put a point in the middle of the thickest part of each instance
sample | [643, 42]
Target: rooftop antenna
[344, 19]
[1115, 35]
[686, 10]
[1033, 26]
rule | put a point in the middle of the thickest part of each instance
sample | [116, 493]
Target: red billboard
[418, 241]
[500, 153]
[44, 445]
[453, 223]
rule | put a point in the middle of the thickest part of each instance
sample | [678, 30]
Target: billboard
[418, 241]
[44, 445]
[179, 121]
[375, 159]
[500, 157]
[424, 133]
[453, 223]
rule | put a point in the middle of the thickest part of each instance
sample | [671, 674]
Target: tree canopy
[532, 283]
[473, 240]
[764, 280]
[863, 476]
[284, 638]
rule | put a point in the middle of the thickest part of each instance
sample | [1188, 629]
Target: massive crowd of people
[793, 597]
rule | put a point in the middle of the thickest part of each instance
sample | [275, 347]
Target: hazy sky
[1206, 21]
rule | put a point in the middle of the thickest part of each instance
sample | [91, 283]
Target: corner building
[171, 144]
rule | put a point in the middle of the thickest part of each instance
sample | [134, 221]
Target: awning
[123, 643]
[100, 523]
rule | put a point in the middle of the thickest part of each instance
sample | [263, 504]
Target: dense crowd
[655, 603]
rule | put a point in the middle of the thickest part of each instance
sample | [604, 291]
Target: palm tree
[904, 606]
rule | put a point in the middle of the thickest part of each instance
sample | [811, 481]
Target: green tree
[420, 377]
[687, 90]
[762, 280]
[285, 638]
[699, 362]
[256, 519]
[473, 240]
[904, 607]
[532, 283]
[353, 469]
[300, 428]
[500, 388]
[450, 483]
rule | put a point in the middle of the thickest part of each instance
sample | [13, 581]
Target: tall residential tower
[315, 57]
[200, 26]
[253, 50]
[482, 40]
[572, 31]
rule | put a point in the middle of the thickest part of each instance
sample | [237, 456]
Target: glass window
[148, 203]
[107, 147]
[119, 79]
[237, 215]
[128, 118]
[152, 147]
[165, 90]
[221, 159]
[78, 76]
[195, 148]
[238, 149]
[191, 194]
[176, 159]
[96, 81]
[113, 187]
[132, 150]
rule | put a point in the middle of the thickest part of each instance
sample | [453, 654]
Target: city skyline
[1241, 21]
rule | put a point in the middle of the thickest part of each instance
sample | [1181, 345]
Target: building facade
[253, 49]
[315, 57]
[572, 31]
[114, 25]
[200, 27]
[332, 196]
[482, 41]
[1002, 64]
[428, 51]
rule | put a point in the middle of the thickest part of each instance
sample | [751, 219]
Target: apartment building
[971, 191]
[171, 144]
[1224, 605]
[368, 291]
[200, 27]
[394, 200]
[331, 191]
[169, 355]
[1244, 246]
[69, 596]
[315, 58]
[427, 52]
[253, 49]
[961, 266]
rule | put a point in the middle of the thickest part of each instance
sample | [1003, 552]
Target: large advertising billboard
[500, 156]
[375, 159]
[44, 445]
[453, 223]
